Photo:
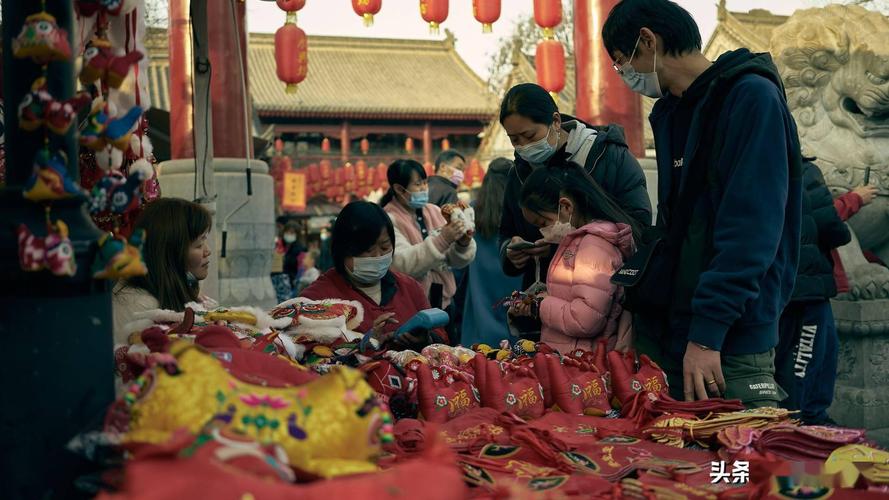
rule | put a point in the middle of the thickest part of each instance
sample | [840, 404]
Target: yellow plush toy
[329, 427]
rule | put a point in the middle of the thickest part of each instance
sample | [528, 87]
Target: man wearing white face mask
[448, 176]
[729, 198]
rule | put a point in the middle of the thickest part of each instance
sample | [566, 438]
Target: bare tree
[157, 13]
[524, 38]
[877, 5]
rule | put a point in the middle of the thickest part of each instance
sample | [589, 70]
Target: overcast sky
[401, 19]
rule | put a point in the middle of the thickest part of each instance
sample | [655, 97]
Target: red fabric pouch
[441, 396]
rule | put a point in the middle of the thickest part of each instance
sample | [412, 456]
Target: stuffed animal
[331, 426]
[39, 108]
[118, 258]
[325, 321]
[118, 194]
[42, 40]
[100, 62]
[462, 212]
[53, 251]
[50, 179]
[102, 129]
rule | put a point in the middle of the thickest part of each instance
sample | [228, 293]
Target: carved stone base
[862, 392]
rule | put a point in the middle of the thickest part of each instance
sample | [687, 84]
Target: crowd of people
[727, 290]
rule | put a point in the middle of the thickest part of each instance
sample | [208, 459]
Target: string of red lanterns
[367, 9]
[550, 56]
[291, 47]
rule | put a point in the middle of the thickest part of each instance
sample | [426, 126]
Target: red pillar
[602, 97]
[181, 144]
[427, 142]
[345, 141]
[229, 139]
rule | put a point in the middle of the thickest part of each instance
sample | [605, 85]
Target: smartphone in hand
[522, 245]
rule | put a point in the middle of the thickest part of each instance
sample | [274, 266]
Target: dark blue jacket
[751, 208]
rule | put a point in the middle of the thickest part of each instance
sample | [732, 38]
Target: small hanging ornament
[39, 108]
[118, 258]
[50, 180]
[434, 12]
[99, 62]
[409, 145]
[42, 40]
[53, 252]
[365, 146]
[103, 129]
[367, 9]
[325, 145]
[486, 12]
[120, 194]
[445, 144]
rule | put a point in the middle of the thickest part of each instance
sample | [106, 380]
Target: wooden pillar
[427, 142]
[602, 97]
[229, 141]
[181, 70]
[345, 141]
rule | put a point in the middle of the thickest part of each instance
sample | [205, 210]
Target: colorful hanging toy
[50, 179]
[101, 129]
[100, 62]
[118, 194]
[53, 251]
[118, 258]
[39, 108]
[42, 40]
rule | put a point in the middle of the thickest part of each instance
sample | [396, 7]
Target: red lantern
[290, 7]
[434, 12]
[382, 178]
[365, 146]
[486, 12]
[550, 62]
[279, 145]
[339, 177]
[409, 145]
[548, 15]
[326, 172]
[325, 145]
[445, 144]
[367, 9]
[291, 55]
[361, 172]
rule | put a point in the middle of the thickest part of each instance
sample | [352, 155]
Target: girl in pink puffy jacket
[594, 236]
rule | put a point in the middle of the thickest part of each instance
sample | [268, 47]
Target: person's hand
[867, 193]
[453, 231]
[518, 258]
[702, 373]
[541, 250]
[380, 324]
[520, 309]
[465, 240]
[413, 339]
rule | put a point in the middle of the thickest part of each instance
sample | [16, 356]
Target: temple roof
[371, 78]
[751, 29]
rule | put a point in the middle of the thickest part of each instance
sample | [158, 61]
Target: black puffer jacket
[610, 163]
[822, 230]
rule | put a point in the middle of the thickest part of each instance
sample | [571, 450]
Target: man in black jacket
[807, 346]
[443, 185]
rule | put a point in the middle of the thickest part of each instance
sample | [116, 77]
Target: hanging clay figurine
[50, 179]
[42, 40]
[118, 258]
[118, 194]
[101, 129]
[53, 251]
[100, 62]
[87, 8]
[39, 108]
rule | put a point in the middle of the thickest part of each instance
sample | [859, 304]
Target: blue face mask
[369, 270]
[537, 152]
[419, 199]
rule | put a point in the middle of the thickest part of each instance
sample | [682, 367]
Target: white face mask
[289, 238]
[369, 270]
[538, 152]
[556, 232]
[646, 84]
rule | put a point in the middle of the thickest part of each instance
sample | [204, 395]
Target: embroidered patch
[476, 475]
[499, 451]
[546, 483]
[395, 381]
[581, 460]
[619, 440]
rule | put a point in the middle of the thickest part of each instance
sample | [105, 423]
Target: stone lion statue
[835, 66]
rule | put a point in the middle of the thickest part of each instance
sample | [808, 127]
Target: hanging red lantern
[409, 145]
[382, 176]
[486, 12]
[365, 146]
[445, 144]
[367, 9]
[279, 145]
[548, 15]
[550, 62]
[434, 12]
[325, 145]
[291, 55]
[290, 7]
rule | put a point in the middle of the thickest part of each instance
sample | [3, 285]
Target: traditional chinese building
[368, 99]
[734, 30]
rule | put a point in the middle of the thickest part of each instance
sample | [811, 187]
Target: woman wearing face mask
[426, 246]
[544, 137]
[593, 235]
[362, 243]
[177, 256]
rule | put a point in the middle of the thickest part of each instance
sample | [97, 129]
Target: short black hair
[447, 157]
[674, 24]
[399, 174]
[357, 228]
[531, 101]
